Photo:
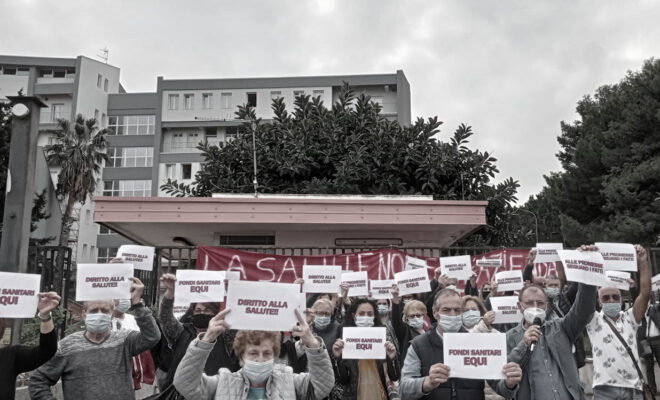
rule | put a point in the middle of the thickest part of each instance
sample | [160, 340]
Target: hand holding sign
[137, 288]
[438, 374]
[168, 281]
[513, 374]
[390, 350]
[217, 326]
[48, 302]
[338, 348]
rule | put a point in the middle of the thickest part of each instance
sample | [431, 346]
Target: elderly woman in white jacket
[259, 378]
[476, 319]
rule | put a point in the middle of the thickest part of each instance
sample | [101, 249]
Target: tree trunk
[64, 241]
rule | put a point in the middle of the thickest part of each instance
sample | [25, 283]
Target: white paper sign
[264, 306]
[618, 279]
[103, 281]
[547, 252]
[232, 275]
[381, 289]
[475, 355]
[655, 282]
[199, 286]
[364, 343]
[509, 280]
[618, 256]
[19, 294]
[358, 283]
[415, 263]
[489, 263]
[142, 257]
[506, 309]
[583, 266]
[412, 281]
[178, 311]
[459, 267]
[321, 278]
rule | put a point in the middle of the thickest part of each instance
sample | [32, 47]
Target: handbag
[168, 394]
[648, 393]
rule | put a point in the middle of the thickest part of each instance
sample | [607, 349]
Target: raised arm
[31, 357]
[642, 301]
[149, 334]
[528, 275]
[172, 328]
[581, 312]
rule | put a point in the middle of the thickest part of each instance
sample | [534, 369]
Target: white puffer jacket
[193, 384]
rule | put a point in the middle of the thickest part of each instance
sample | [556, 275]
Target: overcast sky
[511, 69]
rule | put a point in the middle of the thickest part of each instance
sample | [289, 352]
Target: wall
[239, 97]
[11, 84]
[88, 97]
[327, 239]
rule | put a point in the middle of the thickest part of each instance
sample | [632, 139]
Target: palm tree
[79, 151]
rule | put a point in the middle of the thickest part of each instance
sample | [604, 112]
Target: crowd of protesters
[199, 356]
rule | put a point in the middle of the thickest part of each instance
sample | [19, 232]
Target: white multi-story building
[153, 136]
[68, 86]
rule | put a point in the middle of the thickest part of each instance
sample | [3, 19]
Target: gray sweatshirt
[96, 371]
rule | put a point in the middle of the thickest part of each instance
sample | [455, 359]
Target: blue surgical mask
[321, 322]
[471, 318]
[98, 323]
[416, 323]
[364, 322]
[450, 323]
[123, 306]
[611, 309]
[383, 309]
[552, 292]
[258, 372]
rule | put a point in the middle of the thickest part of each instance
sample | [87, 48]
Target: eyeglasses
[607, 297]
[415, 315]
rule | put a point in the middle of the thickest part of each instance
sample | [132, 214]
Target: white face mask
[531, 313]
[416, 323]
[258, 372]
[364, 322]
[123, 306]
[98, 323]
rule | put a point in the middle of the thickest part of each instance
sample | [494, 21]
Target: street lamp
[536, 222]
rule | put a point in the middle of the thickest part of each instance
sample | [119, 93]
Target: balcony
[51, 117]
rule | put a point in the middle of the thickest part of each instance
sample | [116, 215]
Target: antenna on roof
[104, 56]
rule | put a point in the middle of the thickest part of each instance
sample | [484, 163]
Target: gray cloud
[511, 69]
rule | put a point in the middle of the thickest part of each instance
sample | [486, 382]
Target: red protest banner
[379, 264]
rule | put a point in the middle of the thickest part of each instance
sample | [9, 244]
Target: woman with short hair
[259, 377]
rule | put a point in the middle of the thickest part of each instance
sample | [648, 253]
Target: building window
[96, 115]
[247, 240]
[317, 93]
[170, 171]
[57, 112]
[105, 85]
[88, 217]
[91, 252]
[84, 252]
[193, 140]
[252, 99]
[131, 125]
[188, 101]
[131, 156]
[186, 171]
[173, 102]
[225, 100]
[99, 81]
[274, 95]
[104, 121]
[22, 71]
[106, 254]
[297, 93]
[8, 71]
[207, 101]
[137, 188]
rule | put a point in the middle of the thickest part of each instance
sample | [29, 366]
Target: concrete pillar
[20, 193]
